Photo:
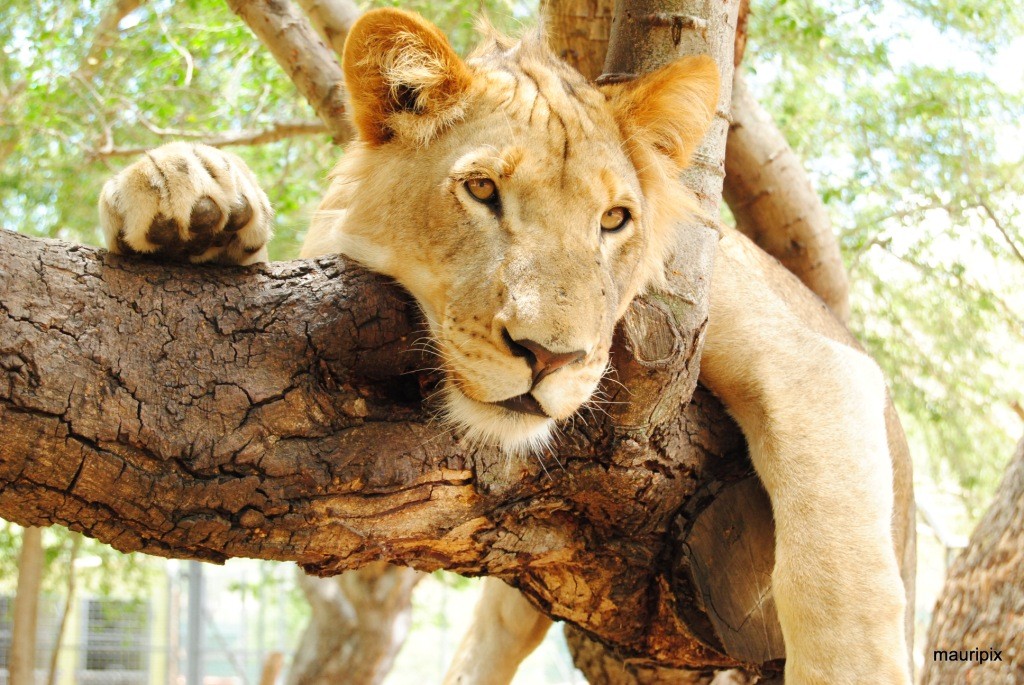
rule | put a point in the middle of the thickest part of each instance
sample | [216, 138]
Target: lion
[524, 208]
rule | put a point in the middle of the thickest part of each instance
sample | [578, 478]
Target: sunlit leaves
[911, 130]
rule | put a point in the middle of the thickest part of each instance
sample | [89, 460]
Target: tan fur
[561, 153]
[402, 77]
[812, 411]
[163, 189]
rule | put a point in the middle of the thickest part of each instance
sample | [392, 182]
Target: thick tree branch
[270, 412]
[305, 59]
[332, 19]
[599, 665]
[272, 134]
[775, 205]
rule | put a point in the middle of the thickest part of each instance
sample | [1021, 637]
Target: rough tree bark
[270, 412]
[982, 604]
[21, 661]
[578, 31]
[601, 667]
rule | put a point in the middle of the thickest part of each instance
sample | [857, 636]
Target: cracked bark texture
[982, 603]
[601, 667]
[274, 412]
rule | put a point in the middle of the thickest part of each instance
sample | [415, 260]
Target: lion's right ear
[403, 78]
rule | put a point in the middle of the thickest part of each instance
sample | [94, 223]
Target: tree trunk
[69, 602]
[578, 32]
[21, 662]
[982, 604]
[359, 622]
[602, 668]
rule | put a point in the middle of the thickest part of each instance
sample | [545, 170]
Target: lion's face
[510, 197]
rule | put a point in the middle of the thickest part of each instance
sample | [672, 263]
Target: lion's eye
[482, 189]
[614, 219]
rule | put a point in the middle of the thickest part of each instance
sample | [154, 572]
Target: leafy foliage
[908, 116]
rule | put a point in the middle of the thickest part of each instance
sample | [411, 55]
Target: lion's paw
[187, 202]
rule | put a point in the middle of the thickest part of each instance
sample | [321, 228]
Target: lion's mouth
[524, 404]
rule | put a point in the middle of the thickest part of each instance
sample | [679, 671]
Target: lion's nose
[542, 361]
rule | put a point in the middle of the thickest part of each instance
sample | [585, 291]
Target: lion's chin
[515, 432]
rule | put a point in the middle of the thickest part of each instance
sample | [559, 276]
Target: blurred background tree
[906, 114]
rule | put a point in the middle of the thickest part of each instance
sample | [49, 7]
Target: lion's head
[522, 206]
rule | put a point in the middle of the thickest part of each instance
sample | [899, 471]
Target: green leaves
[912, 136]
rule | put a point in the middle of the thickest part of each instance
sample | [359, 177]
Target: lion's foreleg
[812, 411]
[505, 629]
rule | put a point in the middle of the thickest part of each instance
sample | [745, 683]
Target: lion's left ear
[403, 78]
[671, 108]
